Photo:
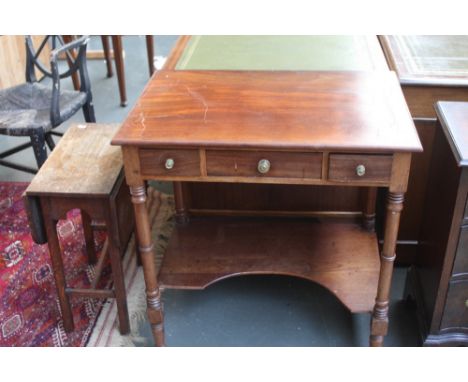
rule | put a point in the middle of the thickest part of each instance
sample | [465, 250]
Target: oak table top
[84, 163]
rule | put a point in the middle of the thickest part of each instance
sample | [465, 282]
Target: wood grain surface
[245, 163]
[83, 163]
[341, 257]
[289, 110]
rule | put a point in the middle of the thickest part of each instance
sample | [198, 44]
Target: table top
[361, 53]
[453, 117]
[428, 60]
[356, 111]
[83, 163]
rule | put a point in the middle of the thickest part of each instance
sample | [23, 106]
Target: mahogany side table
[291, 127]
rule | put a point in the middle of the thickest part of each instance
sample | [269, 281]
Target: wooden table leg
[182, 216]
[379, 321]
[150, 51]
[368, 211]
[89, 237]
[119, 64]
[117, 272]
[57, 266]
[153, 295]
[107, 55]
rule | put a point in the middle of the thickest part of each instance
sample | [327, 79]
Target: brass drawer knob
[263, 166]
[360, 170]
[169, 164]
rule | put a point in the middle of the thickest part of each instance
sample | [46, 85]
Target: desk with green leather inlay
[276, 53]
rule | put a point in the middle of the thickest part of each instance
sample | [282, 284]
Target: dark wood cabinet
[439, 280]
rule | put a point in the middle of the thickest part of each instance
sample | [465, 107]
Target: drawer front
[160, 162]
[461, 257]
[264, 164]
[456, 306]
[350, 167]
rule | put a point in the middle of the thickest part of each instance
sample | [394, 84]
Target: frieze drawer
[264, 164]
[365, 168]
[168, 162]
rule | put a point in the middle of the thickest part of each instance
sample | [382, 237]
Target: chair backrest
[75, 53]
[74, 57]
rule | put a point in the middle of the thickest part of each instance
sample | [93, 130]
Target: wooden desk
[290, 127]
[278, 53]
[430, 69]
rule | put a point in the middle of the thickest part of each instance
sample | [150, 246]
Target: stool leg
[119, 64]
[57, 266]
[89, 237]
[117, 274]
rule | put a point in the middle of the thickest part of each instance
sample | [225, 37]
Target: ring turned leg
[379, 321]
[153, 295]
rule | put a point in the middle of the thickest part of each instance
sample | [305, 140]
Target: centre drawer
[264, 164]
[358, 167]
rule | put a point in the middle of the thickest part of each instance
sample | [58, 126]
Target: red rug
[29, 309]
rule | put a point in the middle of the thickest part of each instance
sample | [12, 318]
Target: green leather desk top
[428, 60]
[353, 53]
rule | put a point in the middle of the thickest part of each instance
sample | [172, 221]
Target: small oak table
[289, 127]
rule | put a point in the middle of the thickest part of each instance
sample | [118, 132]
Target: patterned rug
[29, 309]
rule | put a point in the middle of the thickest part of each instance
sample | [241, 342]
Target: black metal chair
[34, 109]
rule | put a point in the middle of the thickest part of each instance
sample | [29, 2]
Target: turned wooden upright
[308, 128]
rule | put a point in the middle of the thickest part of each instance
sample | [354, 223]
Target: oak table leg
[153, 295]
[117, 273]
[89, 237]
[57, 266]
[379, 321]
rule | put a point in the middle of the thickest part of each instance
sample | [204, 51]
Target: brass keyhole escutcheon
[169, 164]
[360, 170]
[263, 166]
